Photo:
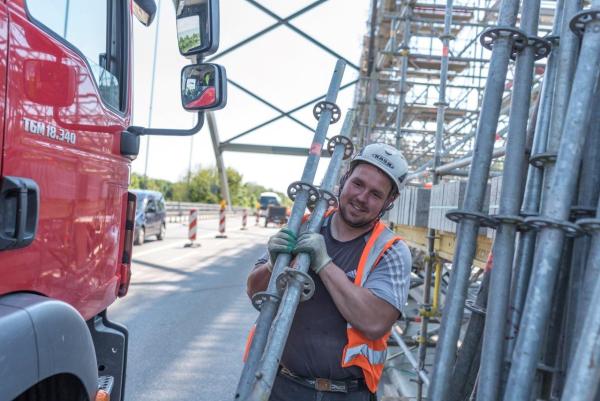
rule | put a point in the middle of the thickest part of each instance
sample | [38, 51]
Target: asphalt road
[188, 313]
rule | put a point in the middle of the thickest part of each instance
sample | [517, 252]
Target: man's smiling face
[364, 195]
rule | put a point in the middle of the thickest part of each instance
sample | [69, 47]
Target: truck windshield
[265, 201]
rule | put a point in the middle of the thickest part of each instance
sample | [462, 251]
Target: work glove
[314, 245]
[282, 242]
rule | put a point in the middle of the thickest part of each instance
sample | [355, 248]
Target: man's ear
[390, 203]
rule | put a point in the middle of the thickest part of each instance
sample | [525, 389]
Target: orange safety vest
[369, 355]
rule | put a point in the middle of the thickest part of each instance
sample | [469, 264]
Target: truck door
[67, 104]
[3, 52]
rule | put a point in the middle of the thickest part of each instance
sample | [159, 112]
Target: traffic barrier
[192, 229]
[222, 222]
[244, 219]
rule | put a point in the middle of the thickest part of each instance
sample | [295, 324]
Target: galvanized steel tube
[441, 110]
[533, 191]
[269, 308]
[492, 354]
[476, 187]
[557, 206]
[269, 364]
[584, 374]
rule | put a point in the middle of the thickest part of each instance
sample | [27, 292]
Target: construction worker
[337, 343]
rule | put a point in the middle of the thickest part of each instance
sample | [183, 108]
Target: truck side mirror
[203, 87]
[197, 26]
[144, 11]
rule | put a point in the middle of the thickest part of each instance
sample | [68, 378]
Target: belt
[319, 384]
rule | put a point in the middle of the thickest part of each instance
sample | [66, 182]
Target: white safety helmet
[386, 158]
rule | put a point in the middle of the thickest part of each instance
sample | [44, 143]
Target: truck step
[105, 383]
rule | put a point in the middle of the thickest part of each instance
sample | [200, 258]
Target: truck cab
[66, 214]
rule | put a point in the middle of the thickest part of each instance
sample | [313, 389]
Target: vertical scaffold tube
[494, 334]
[467, 229]
[271, 303]
[555, 213]
[533, 190]
[269, 364]
[439, 132]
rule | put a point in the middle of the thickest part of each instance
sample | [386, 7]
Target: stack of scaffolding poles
[295, 283]
[259, 378]
[501, 40]
[540, 339]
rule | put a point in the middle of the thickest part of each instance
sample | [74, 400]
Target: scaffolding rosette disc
[320, 107]
[483, 219]
[348, 146]
[581, 19]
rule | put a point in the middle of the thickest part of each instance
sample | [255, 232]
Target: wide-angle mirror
[203, 87]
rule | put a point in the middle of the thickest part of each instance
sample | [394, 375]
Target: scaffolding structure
[396, 97]
[455, 84]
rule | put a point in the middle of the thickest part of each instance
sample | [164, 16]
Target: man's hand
[314, 245]
[282, 242]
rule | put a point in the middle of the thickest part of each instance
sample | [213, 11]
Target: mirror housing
[203, 87]
[197, 26]
[144, 11]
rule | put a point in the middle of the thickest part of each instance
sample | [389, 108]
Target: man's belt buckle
[328, 385]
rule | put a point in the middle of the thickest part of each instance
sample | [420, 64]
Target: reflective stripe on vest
[369, 355]
[375, 357]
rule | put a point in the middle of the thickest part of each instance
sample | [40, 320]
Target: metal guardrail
[179, 211]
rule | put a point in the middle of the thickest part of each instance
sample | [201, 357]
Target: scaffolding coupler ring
[581, 19]
[323, 105]
[540, 222]
[489, 36]
[448, 37]
[262, 297]
[298, 186]
[581, 212]
[540, 160]
[329, 197]
[344, 140]
[483, 219]
[307, 283]
[509, 219]
[589, 225]
[473, 307]
[541, 47]
[553, 39]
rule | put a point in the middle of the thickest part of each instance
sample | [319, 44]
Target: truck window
[89, 26]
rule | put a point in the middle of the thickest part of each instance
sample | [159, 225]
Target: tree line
[203, 186]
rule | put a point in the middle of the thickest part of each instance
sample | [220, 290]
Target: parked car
[150, 216]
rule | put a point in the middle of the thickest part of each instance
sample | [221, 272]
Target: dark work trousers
[287, 390]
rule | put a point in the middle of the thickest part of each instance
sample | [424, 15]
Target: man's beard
[355, 224]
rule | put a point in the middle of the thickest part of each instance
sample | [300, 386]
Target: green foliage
[203, 186]
[189, 42]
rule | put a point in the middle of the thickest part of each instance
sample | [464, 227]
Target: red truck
[66, 215]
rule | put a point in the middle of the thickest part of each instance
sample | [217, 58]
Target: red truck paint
[76, 254]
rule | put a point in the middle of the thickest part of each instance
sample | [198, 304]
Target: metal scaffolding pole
[402, 86]
[441, 109]
[553, 222]
[296, 281]
[269, 300]
[501, 41]
[584, 375]
[494, 335]
[533, 188]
